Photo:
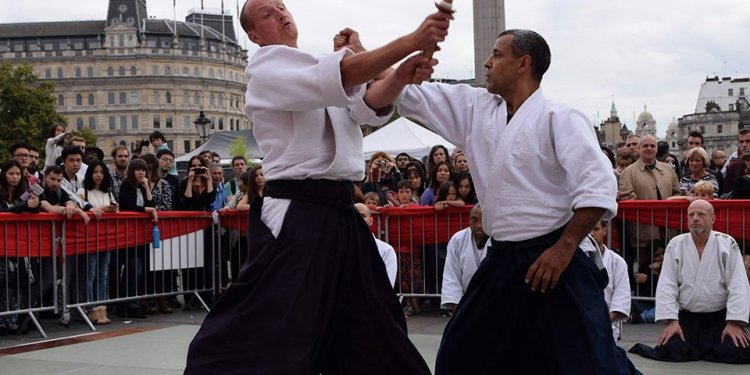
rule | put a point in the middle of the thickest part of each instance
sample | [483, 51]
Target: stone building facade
[130, 75]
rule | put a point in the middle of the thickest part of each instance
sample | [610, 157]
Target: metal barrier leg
[85, 318]
[203, 303]
[36, 324]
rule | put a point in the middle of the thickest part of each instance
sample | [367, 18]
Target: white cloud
[654, 53]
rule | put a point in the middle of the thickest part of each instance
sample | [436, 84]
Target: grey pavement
[158, 345]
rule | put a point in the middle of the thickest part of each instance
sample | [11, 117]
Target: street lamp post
[202, 124]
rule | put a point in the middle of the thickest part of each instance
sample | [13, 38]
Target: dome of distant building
[645, 117]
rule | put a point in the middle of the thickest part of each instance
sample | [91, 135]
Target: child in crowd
[372, 200]
[701, 190]
[405, 194]
[447, 197]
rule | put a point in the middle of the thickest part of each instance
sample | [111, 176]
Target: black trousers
[502, 327]
[702, 333]
[315, 300]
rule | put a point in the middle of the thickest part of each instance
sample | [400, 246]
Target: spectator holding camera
[382, 176]
[197, 189]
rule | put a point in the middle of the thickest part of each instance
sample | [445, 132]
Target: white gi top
[617, 292]
[305, 123]
[530, 173]
[288, 95]
[389, 258]
[707, 284]
[461, 263]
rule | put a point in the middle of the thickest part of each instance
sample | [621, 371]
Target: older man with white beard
[703, 295]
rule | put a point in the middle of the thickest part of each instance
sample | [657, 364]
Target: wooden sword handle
[445, 6]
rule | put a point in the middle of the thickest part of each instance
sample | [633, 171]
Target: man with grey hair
[314, 297]
[541, 192]
[703, 295]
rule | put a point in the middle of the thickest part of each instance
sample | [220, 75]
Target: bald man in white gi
[466, 250]
[314, 297]
[617, 291]
[703, 295]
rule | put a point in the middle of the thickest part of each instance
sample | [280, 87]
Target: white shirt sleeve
[621, 285]
[667, 290]
[738, 301]
[452, 275]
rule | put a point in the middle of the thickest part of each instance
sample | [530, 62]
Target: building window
[112, 125]
[123, 98]
[79, 99]
[134, 98]
[157, 97]
[92, 123]
[78, 72]
[121, 41]
[185, 71]
[231, 124]
[186, 122]
[187, 146]
[197, 98]
[155, 70]
[121, 71]
[211, 100]
[742, 91]
[168, 122]
[719, 129]
[48, 73]
[79, 123]
[110, 71]
[221, 124]
[703, 129]
[133, 70]
[134, 122]
[157, 122]
[731, 107]
[731, 92]
[111, 98]
[185, 98]
[91, 98]
[196, 72]
[168, 97]
[89, 72]
[221, 100]
[60, 100]
[124, 123]
[59, 73]
[167, 71]
[197, 143]
[211, 73]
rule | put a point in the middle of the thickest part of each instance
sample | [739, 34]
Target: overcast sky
[654, 53]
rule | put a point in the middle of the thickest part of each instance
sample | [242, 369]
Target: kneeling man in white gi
[466, 249]
[703, 295]
[617, 291]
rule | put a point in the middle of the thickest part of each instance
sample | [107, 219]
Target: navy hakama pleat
[314, 300]
[502, 327]
[702, 333]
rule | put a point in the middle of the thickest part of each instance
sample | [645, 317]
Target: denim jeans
[94, 277]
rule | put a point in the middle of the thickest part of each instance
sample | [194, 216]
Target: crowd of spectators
[77, 182]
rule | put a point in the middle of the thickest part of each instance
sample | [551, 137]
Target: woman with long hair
[135, 195]
[253, 199]
[438, 154]
[417, 179]
[93, 279]
[440, 173]
[465, 188]
[12, 188]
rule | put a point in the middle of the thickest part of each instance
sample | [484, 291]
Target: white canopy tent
[403, 135]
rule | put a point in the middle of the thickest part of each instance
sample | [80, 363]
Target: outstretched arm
[362, 67]
[383, 92]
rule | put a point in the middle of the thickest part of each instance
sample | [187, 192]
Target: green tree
[239, 147]
[27, 107]
[87, 134]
